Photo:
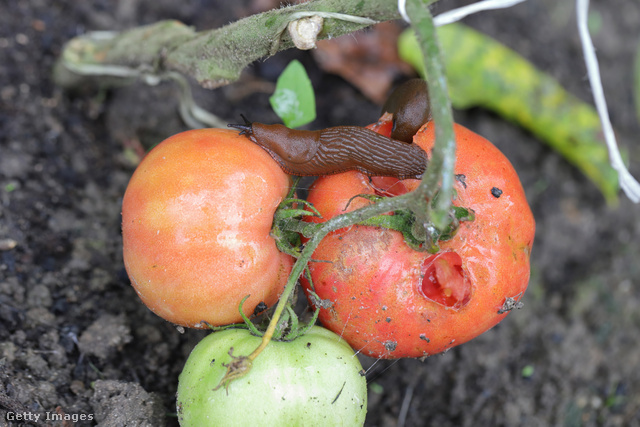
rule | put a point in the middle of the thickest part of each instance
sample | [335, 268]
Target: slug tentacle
[246, 128]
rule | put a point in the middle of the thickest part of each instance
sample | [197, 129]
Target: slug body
[410, 106]
[337, 149]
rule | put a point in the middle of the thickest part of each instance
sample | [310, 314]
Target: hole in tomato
[387, 186]
[444, 281]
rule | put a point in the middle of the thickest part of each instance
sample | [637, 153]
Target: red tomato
[196, 219]
[390, 301]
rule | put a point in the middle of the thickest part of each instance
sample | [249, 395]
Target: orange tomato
[196, 218]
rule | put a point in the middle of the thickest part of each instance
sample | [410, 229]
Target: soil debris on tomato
[461, 178]
[496, 192]
[390, 345]
[509, 304]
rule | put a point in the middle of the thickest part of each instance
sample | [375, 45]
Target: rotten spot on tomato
[386, 186]
[443, 280]
[496, 192]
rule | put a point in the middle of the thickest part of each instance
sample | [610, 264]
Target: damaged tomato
[390, 301]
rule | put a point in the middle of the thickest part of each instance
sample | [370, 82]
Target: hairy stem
[441, 165]
[213, 57]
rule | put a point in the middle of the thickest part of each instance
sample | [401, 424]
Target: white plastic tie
[402, 9]
[628, 183]
[462, 12]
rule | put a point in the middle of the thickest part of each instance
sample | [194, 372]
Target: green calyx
[289, 224]
[420, 237]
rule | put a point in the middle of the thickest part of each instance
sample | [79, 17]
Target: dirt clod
[119, 404]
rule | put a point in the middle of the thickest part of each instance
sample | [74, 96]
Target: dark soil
[75, 339]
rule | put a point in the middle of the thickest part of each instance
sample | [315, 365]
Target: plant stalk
[439, 175]
[213, 57]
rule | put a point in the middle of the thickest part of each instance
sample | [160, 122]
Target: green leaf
[294, 101]
[482, 72]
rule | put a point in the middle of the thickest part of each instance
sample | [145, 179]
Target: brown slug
[337, 149]
[409, 104]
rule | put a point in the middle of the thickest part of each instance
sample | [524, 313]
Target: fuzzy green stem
[441, 165]
[213, 57]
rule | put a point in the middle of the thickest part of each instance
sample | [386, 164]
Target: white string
[461, 12]
[341, 16]
[628, 183]
[402, 8]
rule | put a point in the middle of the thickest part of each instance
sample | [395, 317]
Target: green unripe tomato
[314, 380]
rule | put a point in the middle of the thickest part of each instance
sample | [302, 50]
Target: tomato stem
[212, 57]
[248, 322]
[431, 215]
[442, 161]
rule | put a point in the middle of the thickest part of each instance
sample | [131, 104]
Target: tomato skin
[196, 218]
[312, 381]
[385, 303]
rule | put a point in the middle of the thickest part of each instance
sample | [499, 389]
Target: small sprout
[376, 388]
[527, 371]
